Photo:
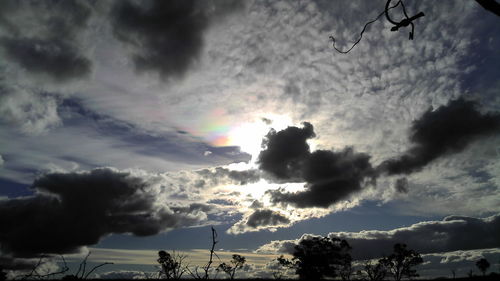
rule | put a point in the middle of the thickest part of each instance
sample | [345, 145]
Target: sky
[128, 127]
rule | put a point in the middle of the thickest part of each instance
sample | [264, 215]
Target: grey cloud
[265, 218]
[167, 35]
[30, 112]
[194, 207]
[260, 219]
[124, 275]
[451, 234]
[45, 41]
[220, 175]
[401, 185]
[446, 130]
[53, 57]
[331, 176]
[10, 263]
[256, 204]
[70, 210]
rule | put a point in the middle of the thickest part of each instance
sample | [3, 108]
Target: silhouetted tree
[171, 265]
[230, 269]
[399, 264]
[319, 257]
[345, 269]
[483, 265]
[375, 272]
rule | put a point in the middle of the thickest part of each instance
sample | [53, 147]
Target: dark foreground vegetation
[315, 258]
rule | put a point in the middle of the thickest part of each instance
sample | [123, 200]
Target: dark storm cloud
[167, 35]
[52, 51]
[51, 57]
[330, 176]
[265, 218]
[285, 151]
[451, 234]
[446, 130]
[77, 209]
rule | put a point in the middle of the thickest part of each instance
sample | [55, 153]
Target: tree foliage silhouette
[230, 269]
[483, 265]
[171, 265]
[319, 257]
[375, 272]
[401, 262]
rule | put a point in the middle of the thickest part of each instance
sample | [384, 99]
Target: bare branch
[96, 267]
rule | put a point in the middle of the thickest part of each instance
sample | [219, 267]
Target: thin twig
[96, 267]
[362, 31]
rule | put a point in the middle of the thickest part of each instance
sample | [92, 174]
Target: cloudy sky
[127, 127]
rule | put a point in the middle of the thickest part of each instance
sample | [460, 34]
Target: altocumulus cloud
[167, 36]
[451, 234]
[260, 219]
[71, 210]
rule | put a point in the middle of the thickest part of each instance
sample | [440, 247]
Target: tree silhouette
[483, 265]
[171, 265]
[375, 272]
[319, 257]
[399, 264]
[230, 269]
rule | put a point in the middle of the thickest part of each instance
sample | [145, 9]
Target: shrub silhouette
[483, 265]
[320, 257]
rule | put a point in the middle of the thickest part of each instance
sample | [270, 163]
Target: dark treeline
[314, 258]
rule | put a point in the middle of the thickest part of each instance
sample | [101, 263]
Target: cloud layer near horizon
[451, 234]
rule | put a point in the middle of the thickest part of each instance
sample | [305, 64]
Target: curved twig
[405, 22]
[96, 267]
[364, 29]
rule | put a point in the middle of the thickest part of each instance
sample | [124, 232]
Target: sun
[248, 136]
